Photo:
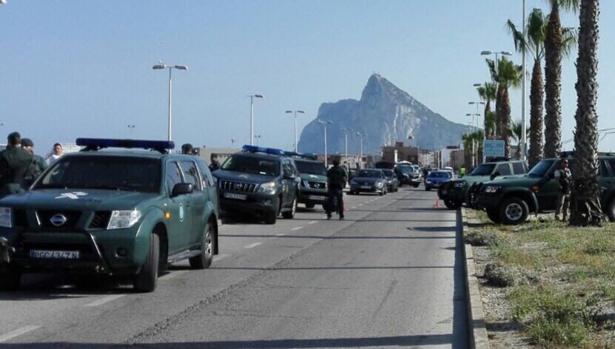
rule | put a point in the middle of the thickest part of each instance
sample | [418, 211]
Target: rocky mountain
[384, 114]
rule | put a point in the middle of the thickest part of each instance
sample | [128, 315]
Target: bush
[499, 276]
[480, 238]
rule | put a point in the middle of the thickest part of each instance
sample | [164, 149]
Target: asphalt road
[390, 275]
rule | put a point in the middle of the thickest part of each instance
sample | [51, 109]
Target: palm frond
[570, 38]
[518, 37]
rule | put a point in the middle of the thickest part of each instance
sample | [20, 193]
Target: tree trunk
[586, 190]
[536, 109]
[487, 111]
[553, 75]
[505, 121]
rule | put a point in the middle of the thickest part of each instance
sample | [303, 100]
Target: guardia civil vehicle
[120, 212]
[313, 187]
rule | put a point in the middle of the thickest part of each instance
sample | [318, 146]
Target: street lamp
[361, 147]
[324, 124]
[170, 68]
[252, 116]
[346, 130]
[295, 113]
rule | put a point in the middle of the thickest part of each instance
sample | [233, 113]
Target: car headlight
[123, 219]
[6, 217]
[460, 184]
[490, 189]
[267, 188]
[428, 181]
[305, 183]
[379, 184]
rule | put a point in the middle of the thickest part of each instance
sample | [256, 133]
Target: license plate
[54, 254]
[235, 196]
[366, 187]
[315, 197]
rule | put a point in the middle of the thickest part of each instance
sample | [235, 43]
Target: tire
[513, 211]
[271, 217]
[494, 215]
[427, 188]
[147, 278]
[204, 259]
[381, 193]
[10, 279]
[310, 205]
[611, 210]
[293, 208]
[416, 185]
[451, 204]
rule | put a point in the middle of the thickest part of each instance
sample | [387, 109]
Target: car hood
[78, 199]
[367, 179]
[242, 177]
[514, 181]
[313, 178]
[437, 179]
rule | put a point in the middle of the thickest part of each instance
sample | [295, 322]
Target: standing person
[37, 166]
[56, 153]
[337, 178]
[187, 149]
[564, 177]
[14, 163]
[213, 162]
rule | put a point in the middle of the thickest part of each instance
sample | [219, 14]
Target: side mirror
[182, 189]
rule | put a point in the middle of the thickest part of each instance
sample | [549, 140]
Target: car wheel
[416, 185]
[291, 213]
[10, 279]
[513, 211]
[204, 259]
[147, 278]
[310, 205]
[271, 217]
[611, 210]
[451, 204]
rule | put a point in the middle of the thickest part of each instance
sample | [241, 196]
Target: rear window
[503, 169]
[439, 174]
[518, 168]
[309, 167]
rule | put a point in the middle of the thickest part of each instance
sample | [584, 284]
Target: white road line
[18, 332]
[296, 228]
[104, 300]
[173, 274]
[312, 222]
[253, 245]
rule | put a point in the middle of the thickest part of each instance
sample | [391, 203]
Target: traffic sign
[494, 147]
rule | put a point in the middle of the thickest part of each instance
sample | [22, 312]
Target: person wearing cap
[37, 166]
[564, 177]
[187, 149]
[14, 163]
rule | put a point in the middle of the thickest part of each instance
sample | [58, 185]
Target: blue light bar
[100, 143]
[300, 155]
[256, 149]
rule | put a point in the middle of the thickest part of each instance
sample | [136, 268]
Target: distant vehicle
[408, 174]
[313, 188]
[259, 181]
[392, 181]
[122, 213]
[384, 165]
[370, 181]
[437, 178]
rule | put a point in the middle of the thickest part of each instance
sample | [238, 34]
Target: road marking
[253, 245]
[18, 332]
[296, 228]
[173, 274]
[353, 207]
[312, 222]
[105, 300]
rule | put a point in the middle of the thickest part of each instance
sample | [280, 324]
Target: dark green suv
[463, 190]
[259, 181]
[313, 188]
[113, 212]
[509, 200]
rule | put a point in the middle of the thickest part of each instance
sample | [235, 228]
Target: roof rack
[256, 149]
[95, 144]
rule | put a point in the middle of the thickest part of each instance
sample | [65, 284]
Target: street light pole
[252, 96]
[324, 124]
[522, 146]
[295, 113]
[170, 112]
[345, 130]
[361, 148]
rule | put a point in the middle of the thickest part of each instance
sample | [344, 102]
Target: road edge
[476, 315]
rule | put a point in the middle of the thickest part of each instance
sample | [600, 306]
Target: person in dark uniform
[337, 178]
[187, 149]
[213, 163]
[37, 166]
[14, 163]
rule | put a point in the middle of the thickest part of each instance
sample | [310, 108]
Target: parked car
[259, 181]
[116, 212]
[392, 181]
[408, 174]
[313, 174]
[510, 200]
[437, 178]
[370, 181]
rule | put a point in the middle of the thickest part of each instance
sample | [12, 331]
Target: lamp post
[295, 113]
[252, 96]
[361, 148]
[170, 67]
[522, 146]
[346, 130]
[478, 104]
[324, 124]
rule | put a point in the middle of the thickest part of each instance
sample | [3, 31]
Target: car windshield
[370, 173]
[405, 169]
[388, 173]
[253, 165]
[541, 168]
[440, 174]
[104, 172]
[311, 167]
[483, 170]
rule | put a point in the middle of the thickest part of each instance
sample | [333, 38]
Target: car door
[177, 221]
[549, 190]
[196, 212]
[286, 183]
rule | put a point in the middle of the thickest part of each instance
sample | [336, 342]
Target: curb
[476, 316]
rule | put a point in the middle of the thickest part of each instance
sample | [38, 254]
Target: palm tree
[533, 42]
[516, 131]
[555, 47]
[487, 94]
[586, 191]
[506, 74]
[490, 124]
[473, 148]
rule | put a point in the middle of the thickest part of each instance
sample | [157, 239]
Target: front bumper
[312, 197]
[365, 189]
[254, 203]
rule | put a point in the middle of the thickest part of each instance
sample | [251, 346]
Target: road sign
[494, 147]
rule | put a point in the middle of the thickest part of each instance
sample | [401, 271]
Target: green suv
[313, 188]
[463, 190]
[112, 212]
[259, 181]
[510, 200]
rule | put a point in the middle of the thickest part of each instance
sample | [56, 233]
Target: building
[400, 152]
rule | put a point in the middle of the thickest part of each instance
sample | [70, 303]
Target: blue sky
[83, 68]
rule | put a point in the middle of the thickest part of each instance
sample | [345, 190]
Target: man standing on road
[14, 163]
[337, 178]
[37, 166]
[213, 163]
[564, 177]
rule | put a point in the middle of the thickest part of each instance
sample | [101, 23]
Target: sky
[74, 68]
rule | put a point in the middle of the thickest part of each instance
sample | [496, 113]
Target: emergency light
[100, 143]
[257, 149]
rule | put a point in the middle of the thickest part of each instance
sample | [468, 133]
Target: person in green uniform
[37, 166]
[14, 163]
[337, 178]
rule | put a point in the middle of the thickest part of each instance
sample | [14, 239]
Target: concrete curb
[476, 316]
